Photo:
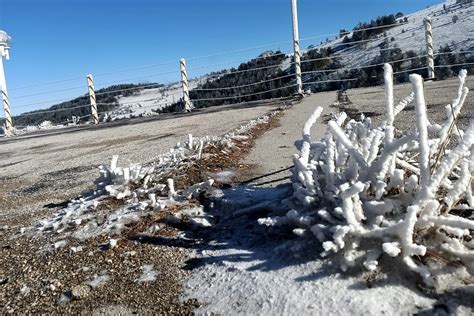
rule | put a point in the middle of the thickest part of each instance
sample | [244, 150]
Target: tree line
[106, 99]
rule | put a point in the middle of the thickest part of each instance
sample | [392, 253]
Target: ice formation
[362, 194]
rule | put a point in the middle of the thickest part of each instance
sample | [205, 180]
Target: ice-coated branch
[342, 137]
[403, 103]
[422, 128]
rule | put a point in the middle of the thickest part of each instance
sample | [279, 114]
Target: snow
[146, 101]
[278, 267]
[411, 36]
[244, 269]
[98, 280]
[140, 188]
[148, 274]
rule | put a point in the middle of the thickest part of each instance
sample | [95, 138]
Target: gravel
[38, 175]
[52, 281]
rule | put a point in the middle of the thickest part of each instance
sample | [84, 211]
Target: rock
[3, 280]
[81, 291]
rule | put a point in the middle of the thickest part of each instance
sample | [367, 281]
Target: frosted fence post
[3, 87]
[90, 84]
[429, 48]
[296, 47]
[184, 84]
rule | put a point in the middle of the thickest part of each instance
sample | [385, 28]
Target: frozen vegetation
[144, 190]
[364, 192]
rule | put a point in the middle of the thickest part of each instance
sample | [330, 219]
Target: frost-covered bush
[45, 125]
[140, 190]
[364, 192]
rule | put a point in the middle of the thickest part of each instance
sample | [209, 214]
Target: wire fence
[273, 76]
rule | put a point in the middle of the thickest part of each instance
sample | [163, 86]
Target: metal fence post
[10, 131]
[184, 84]
[90, 85]
[429, 48]
[296, 47]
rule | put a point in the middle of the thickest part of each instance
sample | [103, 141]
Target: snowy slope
[146, 101]
[411, 35]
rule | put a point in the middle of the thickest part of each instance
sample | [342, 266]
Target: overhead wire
[245, 95]
[245, 85]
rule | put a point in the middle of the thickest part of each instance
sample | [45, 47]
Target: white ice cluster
[142, 189]
[364, 192]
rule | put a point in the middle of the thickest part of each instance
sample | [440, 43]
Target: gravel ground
[39, 174]
[35, 280]
[271, 156]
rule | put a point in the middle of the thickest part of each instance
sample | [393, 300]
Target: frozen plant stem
[422, 129]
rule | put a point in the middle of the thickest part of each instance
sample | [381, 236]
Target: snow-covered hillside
[411, 35]
[145, 102]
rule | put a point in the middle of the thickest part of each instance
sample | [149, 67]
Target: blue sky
[67, 39]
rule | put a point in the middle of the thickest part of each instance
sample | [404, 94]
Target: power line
[201, 57]
[157, 85]
[407, 70]
[353, 31]
[454, 65]
[138, 101]
[328, 81]
[245, 85]
[245, 70]
[118, 81]
[49, 92]
[245, 95]
[39, 103]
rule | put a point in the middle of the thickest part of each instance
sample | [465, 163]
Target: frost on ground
[98, 280]
[370, 208]
[148, 274]
[45, 125]
[126, 195]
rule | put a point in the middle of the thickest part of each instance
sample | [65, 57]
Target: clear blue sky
[67, 39]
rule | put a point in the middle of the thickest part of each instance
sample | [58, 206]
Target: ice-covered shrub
[364, 192]
[139, 190]
[45, 125]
